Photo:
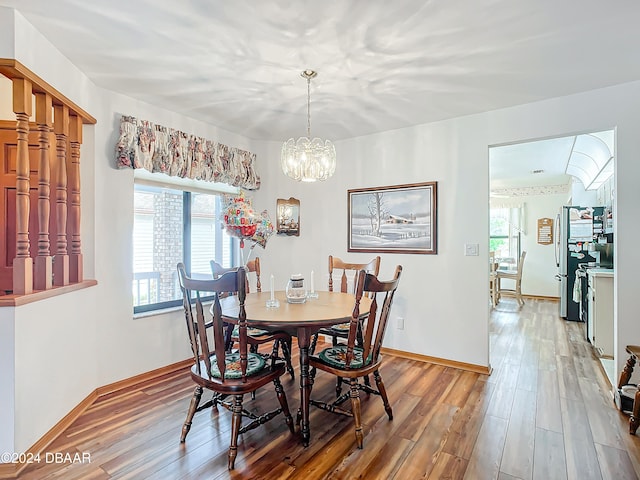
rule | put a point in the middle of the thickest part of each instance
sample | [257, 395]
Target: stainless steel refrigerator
[579, 229]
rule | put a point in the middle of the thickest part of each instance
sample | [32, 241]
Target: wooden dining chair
[516, 277]
[257, 336]
[340, 267]
[227, 374]
[359, 358]
[253, 266]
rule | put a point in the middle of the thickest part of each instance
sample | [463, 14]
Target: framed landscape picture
[393, 219]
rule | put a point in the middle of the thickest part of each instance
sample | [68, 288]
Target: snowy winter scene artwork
[394, 219]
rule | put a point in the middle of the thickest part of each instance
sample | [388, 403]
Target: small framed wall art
[288, 216]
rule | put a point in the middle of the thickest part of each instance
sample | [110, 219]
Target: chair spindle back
[252, 266]
[194, 293]
[336, 263]
[375, 324]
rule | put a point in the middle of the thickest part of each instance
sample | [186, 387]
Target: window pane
[228, 252]
[500, 246]
[499, 224]
[160, 222]
[157, 244]
[204, 229]
[504, 237]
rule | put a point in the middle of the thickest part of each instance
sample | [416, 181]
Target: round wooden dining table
[301, 320]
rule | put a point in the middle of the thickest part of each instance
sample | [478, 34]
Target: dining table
[301, 320]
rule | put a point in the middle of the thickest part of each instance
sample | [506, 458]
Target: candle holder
[312, 293]
[273, 303]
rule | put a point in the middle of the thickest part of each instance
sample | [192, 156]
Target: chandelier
[308, 159]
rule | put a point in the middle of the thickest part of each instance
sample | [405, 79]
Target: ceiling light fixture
[591, 161]
[305, 159]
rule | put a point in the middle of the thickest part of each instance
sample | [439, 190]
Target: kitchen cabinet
[600, 310]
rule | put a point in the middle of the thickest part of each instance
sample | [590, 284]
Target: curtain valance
[143, 144]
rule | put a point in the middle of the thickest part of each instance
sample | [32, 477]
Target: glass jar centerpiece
[295, 291]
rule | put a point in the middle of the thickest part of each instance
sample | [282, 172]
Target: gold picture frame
[288, 216]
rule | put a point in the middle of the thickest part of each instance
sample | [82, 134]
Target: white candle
[312, 289]
[271, 285]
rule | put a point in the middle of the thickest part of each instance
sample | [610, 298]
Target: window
[172, 226]
[504, 232]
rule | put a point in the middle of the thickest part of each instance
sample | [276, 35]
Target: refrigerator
[579, 231]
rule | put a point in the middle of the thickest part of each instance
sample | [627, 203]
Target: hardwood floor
[545, 413]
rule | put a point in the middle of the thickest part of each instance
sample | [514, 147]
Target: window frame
[513, 236]
[186, 236]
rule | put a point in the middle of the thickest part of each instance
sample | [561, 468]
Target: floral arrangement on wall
[143, 144]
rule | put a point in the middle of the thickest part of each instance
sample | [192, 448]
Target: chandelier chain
[309, 107]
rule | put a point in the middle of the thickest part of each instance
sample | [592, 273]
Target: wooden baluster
[43, 275]
[75, 258]
[22, 263]
[61, 130]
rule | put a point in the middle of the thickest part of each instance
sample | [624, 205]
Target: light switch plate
[471, 249]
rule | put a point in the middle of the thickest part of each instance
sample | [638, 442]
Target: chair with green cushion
[360, 357]
[257, 336]
[340, 268]
[226, 373]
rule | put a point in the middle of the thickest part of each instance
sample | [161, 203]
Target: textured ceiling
[382, 65]
[544, 162]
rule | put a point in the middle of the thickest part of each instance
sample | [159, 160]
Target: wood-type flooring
[545, 412]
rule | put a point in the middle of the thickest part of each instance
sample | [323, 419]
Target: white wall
[55, 361]
[431, 285]
[443, 298]
[7, 380]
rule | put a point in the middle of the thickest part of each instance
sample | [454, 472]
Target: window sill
[153, 313]
[18, 300]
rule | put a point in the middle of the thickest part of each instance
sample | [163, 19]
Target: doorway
[531, 181]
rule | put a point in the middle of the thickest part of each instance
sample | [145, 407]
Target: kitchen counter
[600, 310]
[600, 272]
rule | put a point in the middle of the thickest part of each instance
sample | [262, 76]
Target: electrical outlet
[400, 323]
[471, 249]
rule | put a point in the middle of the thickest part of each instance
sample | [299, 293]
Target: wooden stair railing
[61, 129]
[43, 274]
[38, 269]
[22, 263]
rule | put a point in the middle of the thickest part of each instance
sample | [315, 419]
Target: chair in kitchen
[227, 374]
[360, 356]
[493, 283]
[341, 267]
[257, 336]
[513, 275]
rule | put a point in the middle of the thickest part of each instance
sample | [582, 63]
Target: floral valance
[143, 144]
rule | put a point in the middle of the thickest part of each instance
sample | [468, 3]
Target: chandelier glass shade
[307, 159]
